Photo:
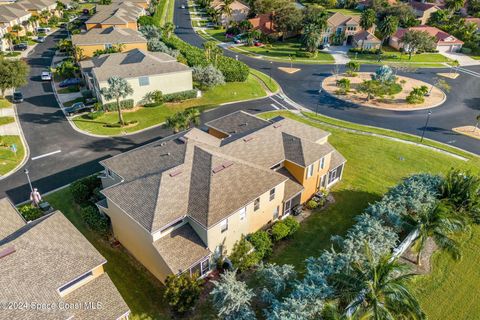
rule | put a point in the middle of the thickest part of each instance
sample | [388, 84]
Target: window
[275, 213]
[218, 251]
[205, 267]
[288, 206]
[256, 204]
[108, 46]
[322, 164]
[272, 194]
[224, 225]
[309, 171]
[74, 282]
[143, 81]
[243, 213]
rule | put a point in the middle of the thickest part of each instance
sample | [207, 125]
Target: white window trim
[243, 213]
[272, 196]
[256, 209]
[224, 224]
[310, 171]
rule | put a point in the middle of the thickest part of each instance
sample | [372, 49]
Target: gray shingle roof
[49, 253]
[292, 187]
[237, 123]
[132, 64]
[108, 35]
[11, 12]
[181, 248]
[10, 219]
[116, 13]
[193, 174]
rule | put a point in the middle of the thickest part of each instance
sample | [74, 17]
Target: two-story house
[102, 39]
[238, 11]
[48, 270]
[345, 30]
[11, 15]
[423, 10]
[118, 14]
[145, 71]
[179, 203]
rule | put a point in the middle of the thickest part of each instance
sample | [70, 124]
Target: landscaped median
[146, 117]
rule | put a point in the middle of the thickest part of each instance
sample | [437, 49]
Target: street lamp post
[426, 124]
[29, 181]
[270, 73]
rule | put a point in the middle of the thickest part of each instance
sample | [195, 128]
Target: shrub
[95, 115]
[352, 67]
[279, 231]
[208, 76]
[180, 96]
[312, 204]
[124, 104]
[154, 98]
[83, 190]
[30, 212]
[147, 21]
[292, 224]
[417, 95]
[182, 291]
[262, 243]
[365, 51]
[466, 50]
[243, 255]
[343, 85]
[95, 220]
[156, 45]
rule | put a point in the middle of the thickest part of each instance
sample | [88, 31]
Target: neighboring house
[423, 10]
[141, 3]
[11, 15]
[239, 11]
[48, 270]
[118, 14]
[36, 7]
[475, 21]
[365, 4]
[179, 203]
[145, 71]
[341, 30]
[445, 41]
[102, 39]
[264, 23]
[366, 40]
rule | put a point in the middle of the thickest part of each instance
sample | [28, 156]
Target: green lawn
[4, 103]
[349, 12]
[476, 57]
[373, 165]
[271, 84]
[147, 117]
[284, 50]
[6, 120]
[419, 60]
[68, 90]
[69, 103]
[8, 159]
[218, 34]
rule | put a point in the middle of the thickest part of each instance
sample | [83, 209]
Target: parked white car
[46, 76]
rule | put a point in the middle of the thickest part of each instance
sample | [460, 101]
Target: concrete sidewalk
[462, 59]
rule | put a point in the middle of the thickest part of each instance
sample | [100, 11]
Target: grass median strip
[6, 120]
[271, 84]
[9, 159]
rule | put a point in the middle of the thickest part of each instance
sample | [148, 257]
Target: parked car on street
[21, 46]
[77, 108]
[257, 43]
[182, 6]
[40, 39]
[17, 96]
[46, 76]
[43, 30]
[70, 82]
[240, 38]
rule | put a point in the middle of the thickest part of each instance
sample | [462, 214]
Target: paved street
[461, 107]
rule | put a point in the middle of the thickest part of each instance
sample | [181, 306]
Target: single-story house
[445, 41]
[366, 40]
[50, 271]
[423, 10]
[101, 39]
[264, 23]
[145, 71]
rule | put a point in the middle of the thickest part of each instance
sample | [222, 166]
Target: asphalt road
[460, 108]
[65, 154]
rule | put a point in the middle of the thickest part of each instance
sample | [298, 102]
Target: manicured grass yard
[283, 50]
[147, 117]
[6, 120]
[419, 60]
[4, 103]
[271, 84]
[8, 159]
[348, 12]
[218, 34]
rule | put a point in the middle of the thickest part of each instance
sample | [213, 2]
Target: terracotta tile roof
[49, 253]
[442, 37]
[339, 19]
[181, 248]
[264, 22]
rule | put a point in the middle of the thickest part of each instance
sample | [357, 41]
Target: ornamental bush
[180, 96]
[124, 104]
[30, 212]
[292, 224]
[279, 231]
[243, 255]
[85, 189]
[208, 76]
[182, 291]
[312, 204]
[262, 243]
[95, 220]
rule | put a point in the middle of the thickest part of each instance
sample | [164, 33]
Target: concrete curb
[26, 154]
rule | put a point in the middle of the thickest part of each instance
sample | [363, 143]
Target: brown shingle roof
[116, 13]
[181, 248]
[10, 219]
[108, 35]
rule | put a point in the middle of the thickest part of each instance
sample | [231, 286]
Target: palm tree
[462, 190]
[33, 20]
[177, 122]
[168, 29]
[208, 47]
[476, 124]
[377, 290]
[9, 37]
[245, 25]
[227, 10]
[367, 19]
[45, 15]
[387, 27]
[16, 29]
[117, 88]
[193, 116]
[438, 223]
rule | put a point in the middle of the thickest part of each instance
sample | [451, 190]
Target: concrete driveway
[339, 53]
[463, 59]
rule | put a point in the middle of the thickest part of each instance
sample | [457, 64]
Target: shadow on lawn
[316, 231]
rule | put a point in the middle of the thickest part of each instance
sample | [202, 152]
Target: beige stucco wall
[254, 220]
[89, 50]
[137, 241]
[167, 83]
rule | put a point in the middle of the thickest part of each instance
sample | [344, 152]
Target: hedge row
[180, 96]
[124, 104]
[231, 69]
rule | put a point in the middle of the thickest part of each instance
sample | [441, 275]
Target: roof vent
[277, 126]
[175, 173]
[166, 154]
[223, 166]
[163, 143]
[7, 251]
[248, 139]
[244, 124]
